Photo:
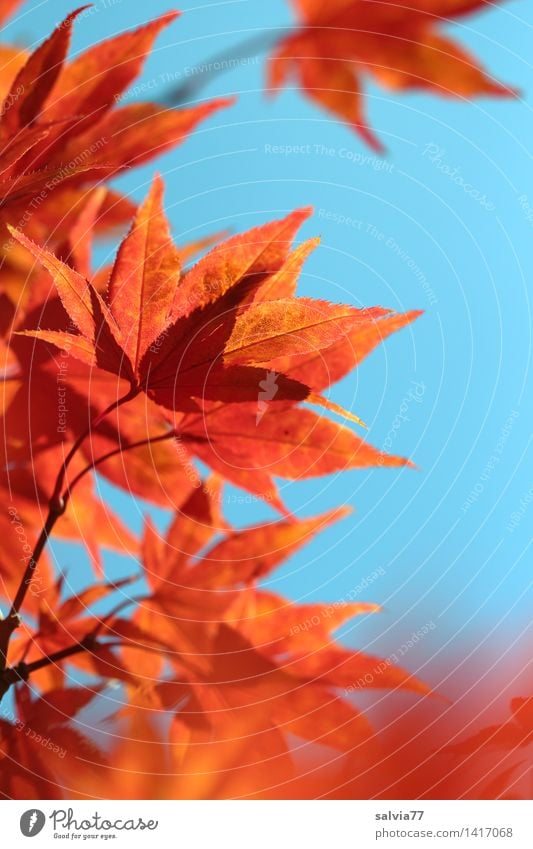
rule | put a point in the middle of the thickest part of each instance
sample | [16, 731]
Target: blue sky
[441, 223]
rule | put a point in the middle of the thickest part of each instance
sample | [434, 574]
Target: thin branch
[22, 670]
[169, 434]
[221, 62]
[87, 644]
[56, 509]
[51, 519]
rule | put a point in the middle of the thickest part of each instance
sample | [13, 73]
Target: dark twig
[22, 670]
[221, 62]
[56, 509]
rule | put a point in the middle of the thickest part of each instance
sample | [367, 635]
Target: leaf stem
[117, 609]
[56, 495]
[128, 447]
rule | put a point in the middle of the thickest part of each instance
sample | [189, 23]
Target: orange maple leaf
[63, 128]
[342, 42]
[199, 341]
[243, 670]
[33, 747]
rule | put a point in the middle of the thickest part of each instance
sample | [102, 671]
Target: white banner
[269, 825]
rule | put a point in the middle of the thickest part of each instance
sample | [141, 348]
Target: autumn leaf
[512, 735]
[293, 443]
[209, 436]
[43, 733]
[155, 471]
[247, 655]
[18, 540]
[144, 278]
[28, 489]
[12, 59]
[63, 129]
[88, 84]
[64, 621]
[37, 78]
[9, 7]
[190, 339]
[341, 44]
[121, 342]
